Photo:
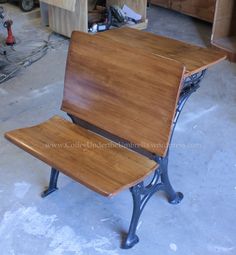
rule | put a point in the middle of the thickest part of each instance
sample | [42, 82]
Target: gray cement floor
[75, 220]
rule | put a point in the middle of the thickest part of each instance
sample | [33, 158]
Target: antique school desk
[124, 90]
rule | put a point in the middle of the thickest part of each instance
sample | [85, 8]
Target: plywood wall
[64, 22]
[63, 4]
[225, 20]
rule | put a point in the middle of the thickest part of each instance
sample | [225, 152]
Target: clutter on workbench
[103, 18]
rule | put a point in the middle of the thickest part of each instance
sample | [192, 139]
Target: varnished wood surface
[202, 9]
[194, 58]
[123, 90]
[95, 162]
[66, 5]
[224, 28]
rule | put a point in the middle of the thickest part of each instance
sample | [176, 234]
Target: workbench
[65, 16]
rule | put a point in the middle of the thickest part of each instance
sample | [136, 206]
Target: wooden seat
[94, 161]
[193, 57]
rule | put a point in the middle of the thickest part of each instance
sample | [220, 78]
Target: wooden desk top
[193, 57]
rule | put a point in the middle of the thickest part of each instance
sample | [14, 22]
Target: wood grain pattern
[224, 28]
[202, 9]
[123, 90]
[95, 162]
[67, 5]
[64, 22]
[194, 58]
[163, 3]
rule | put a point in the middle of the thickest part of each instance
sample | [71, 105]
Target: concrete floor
[75, 220]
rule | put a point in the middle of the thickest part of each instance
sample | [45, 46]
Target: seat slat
[94, 161]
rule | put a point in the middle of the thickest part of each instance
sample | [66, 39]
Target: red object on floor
[10, 40]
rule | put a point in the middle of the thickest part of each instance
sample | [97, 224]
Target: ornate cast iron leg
[132, 238]
[173, 196]
[52, 183]
[141, 194]
[191, 84]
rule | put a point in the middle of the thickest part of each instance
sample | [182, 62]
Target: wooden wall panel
[163, 3]
[224, 28]
[223, 21]
[202, 9]
[176, 5]
[64, 22]
[68, 5]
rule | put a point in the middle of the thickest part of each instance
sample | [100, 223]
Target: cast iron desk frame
[141, 193]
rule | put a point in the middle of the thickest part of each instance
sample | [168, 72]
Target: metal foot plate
[48, 192]
[129, 243]
[177, 199]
